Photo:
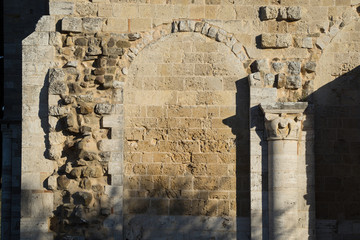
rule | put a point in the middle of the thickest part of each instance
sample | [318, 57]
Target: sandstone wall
[147, 114]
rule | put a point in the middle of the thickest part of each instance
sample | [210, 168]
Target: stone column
[283, 123]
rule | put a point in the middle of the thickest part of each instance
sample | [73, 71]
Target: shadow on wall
[197, 218]
[19, 20]
[337, 155]
[74, 218]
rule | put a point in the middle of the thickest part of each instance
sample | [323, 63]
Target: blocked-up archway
[186, 137]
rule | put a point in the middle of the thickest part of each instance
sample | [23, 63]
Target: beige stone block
[128, 11]
[342, 2]
[31, 181]
[38, 54]
[213, 83]
[247, 12]
[137, 25]
[61, 8]
[206, 183]
[181, 183]
[36, 39]
[155, 98]
[158, 1]
[105, 10]
[174, 169]
[154, 169]
[116, 25]
[164, 69]
[164, 11]
[226, 12]
[183, 69]
[170, 83]
[187, 98]
[146, 11]
[210, 12]
[196, 11]
[181, 11]
[217, 169]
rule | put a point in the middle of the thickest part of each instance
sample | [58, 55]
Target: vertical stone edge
[36, 201]
[258, 162]
[115, 145]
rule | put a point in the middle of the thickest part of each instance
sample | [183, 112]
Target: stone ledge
[286, 107]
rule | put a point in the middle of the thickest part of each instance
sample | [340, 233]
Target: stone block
[31, 181]
[56, 74]
[310, 66]
[114, 192]
[307, 43]
[293, 13]
[282, 13]
[221, 36]
[137, 25]
[55, 39]
[103, 108]
[57, 88]
[293, 82]
[30, 224]
[112, 121]
[86, 9]
[294, 68]
[268, 12]
[117, 180]
[262, 65]
[36, 39]
[212, 32]
[92, 24]
[45, 24]
[110, 145]
[115, 168]
[38, 54]
[278, 66]
[183, 26]
[268, 40]
[269, 79]
[71, 24]
[283, 40]
[280, 80]
[323, 41]
[58, 111]
[61, 8]
[236, 48]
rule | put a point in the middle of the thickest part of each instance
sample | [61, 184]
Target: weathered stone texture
[182, 148]
[181, 133]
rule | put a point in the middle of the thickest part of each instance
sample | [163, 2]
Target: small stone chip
[134, 36]
[310, 66]
[63, 182]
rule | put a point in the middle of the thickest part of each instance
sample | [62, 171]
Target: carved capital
[283, 120]
[283, 126]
